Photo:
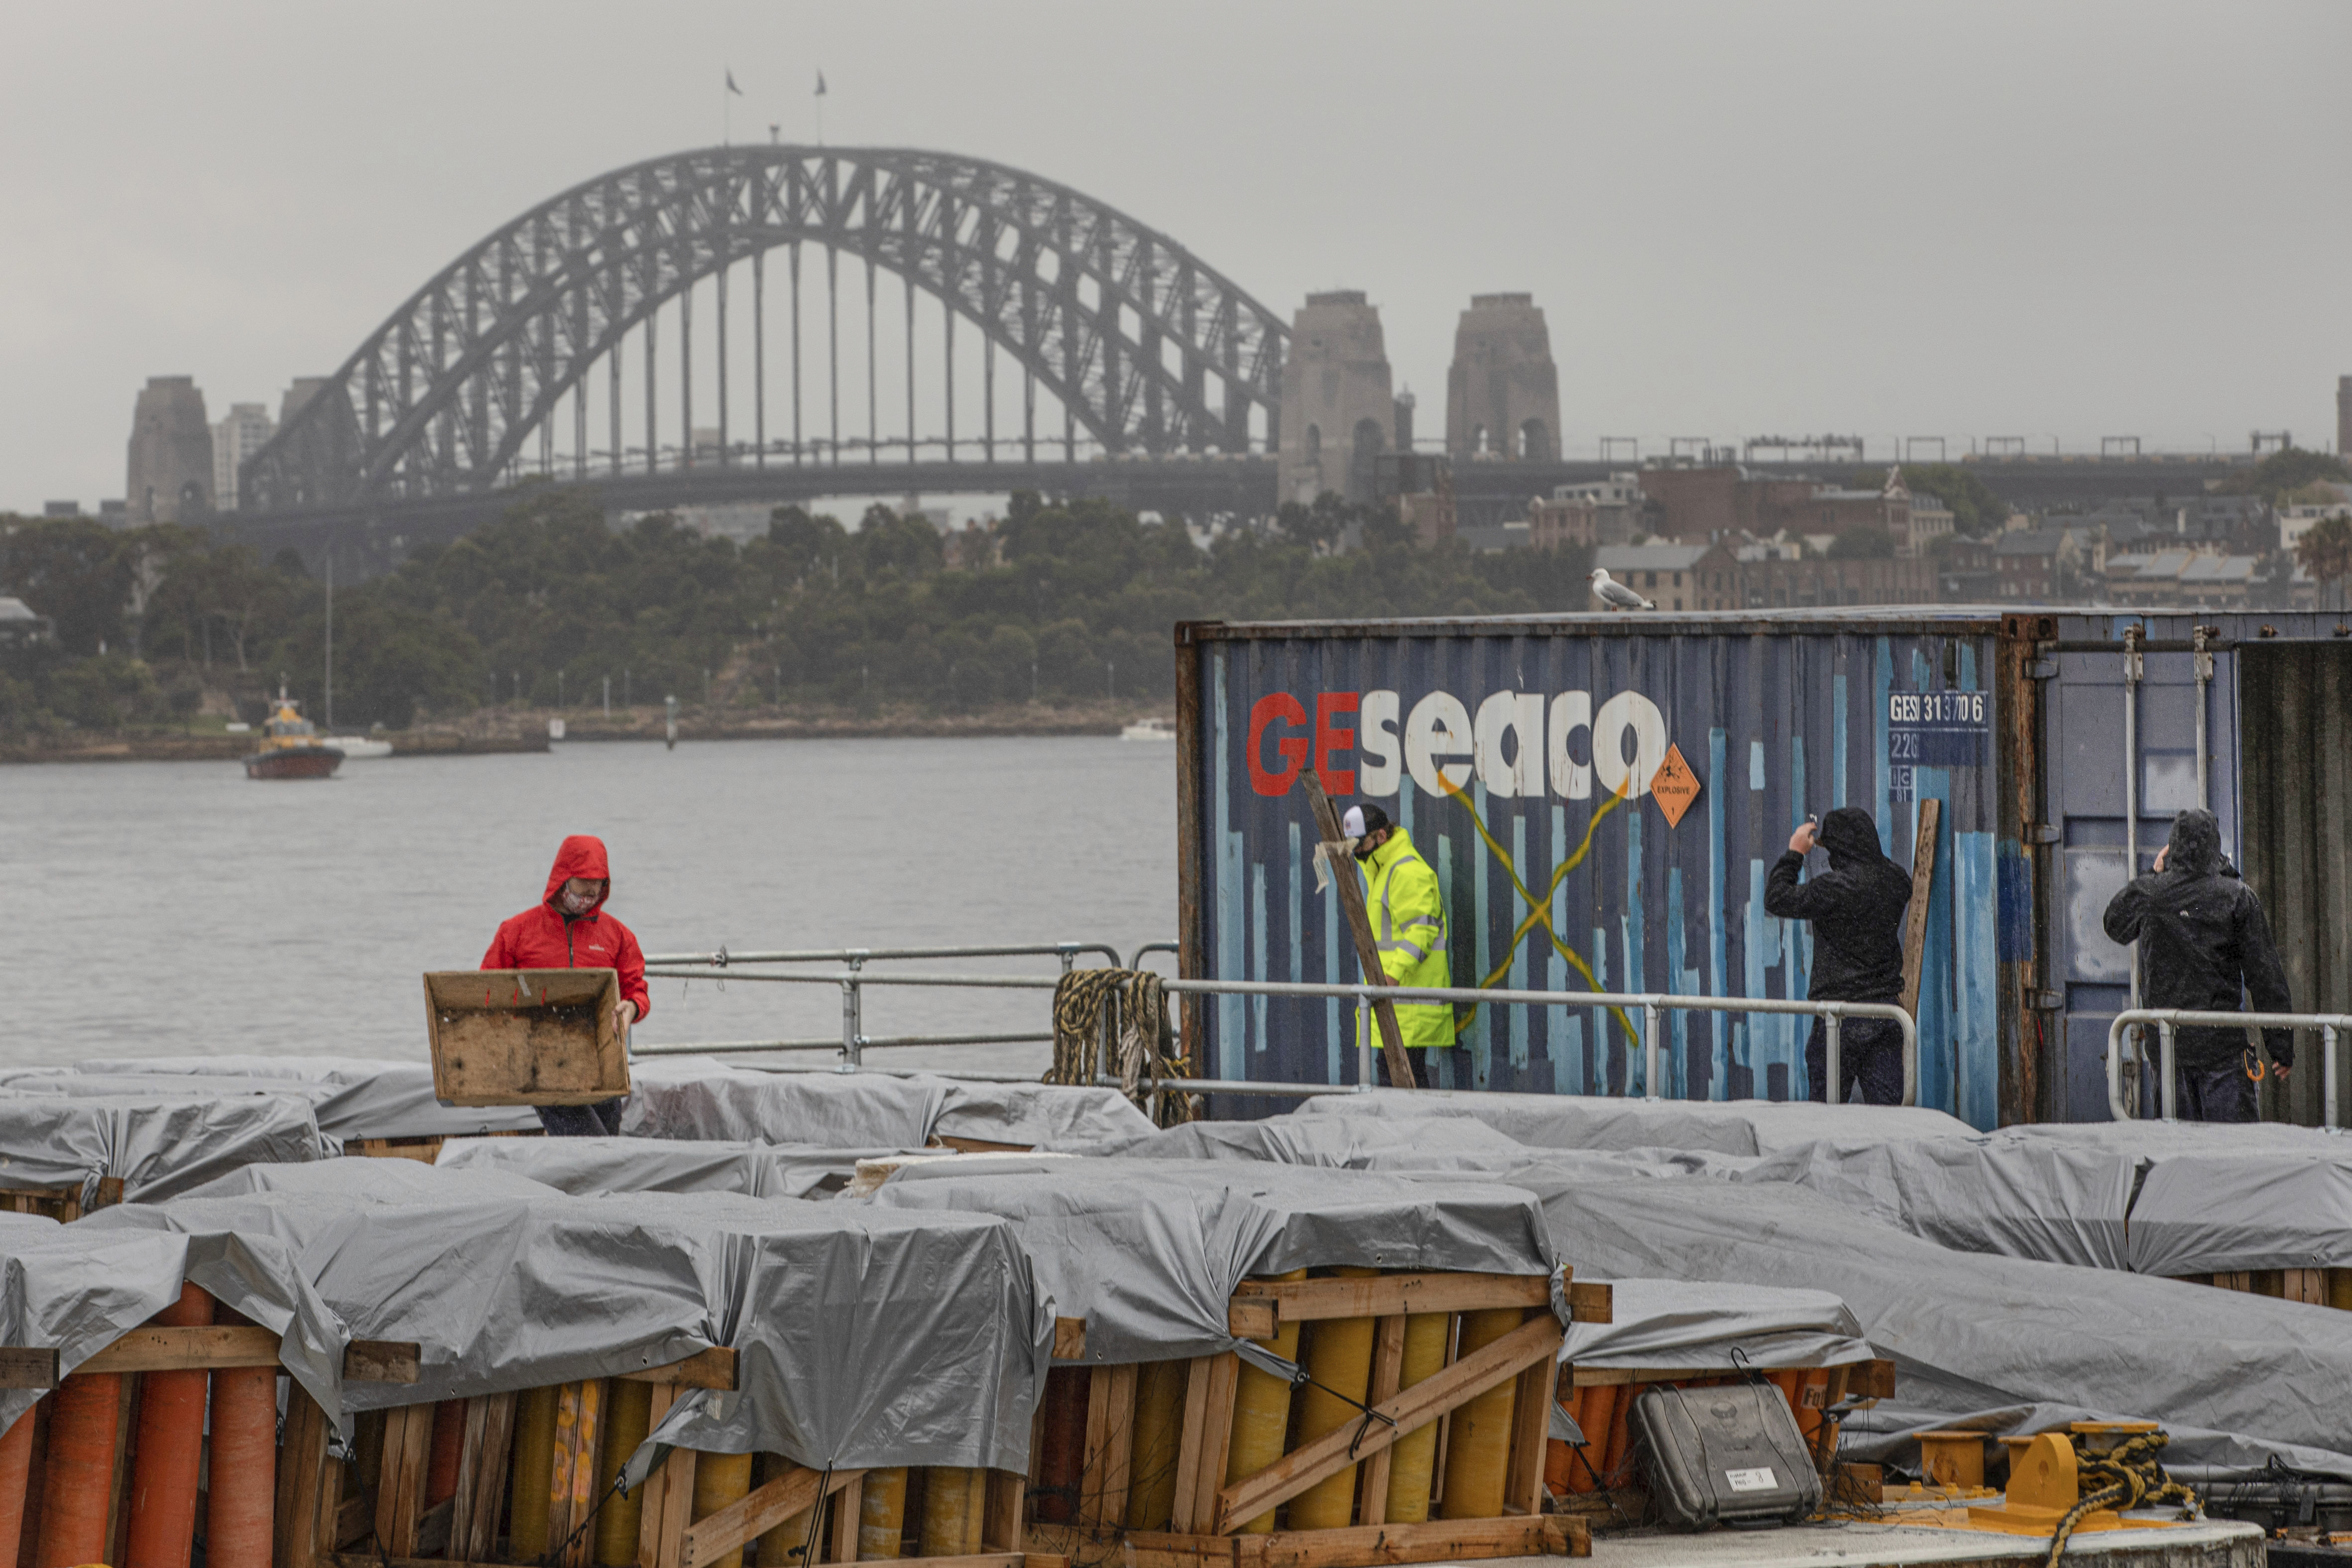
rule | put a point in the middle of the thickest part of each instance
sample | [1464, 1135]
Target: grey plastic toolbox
[1727, 1455]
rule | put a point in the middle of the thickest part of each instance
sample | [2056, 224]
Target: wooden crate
[1210, 1511]
[526, 1036]
[2316, 1287]
[60, 1204]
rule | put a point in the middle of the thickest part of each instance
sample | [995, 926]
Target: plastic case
[1727, 1455]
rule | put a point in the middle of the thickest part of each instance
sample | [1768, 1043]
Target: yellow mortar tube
[720, 1481]
[882, 1515]
[781, 1547]
[533, 1473]
[948, 1513]
[1262, 1416]
[1340, 1360]
[630, 1415]
[1412, 1458]
[1158, 1432]
[1478, 1446]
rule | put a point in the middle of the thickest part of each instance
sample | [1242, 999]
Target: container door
[2085, 756]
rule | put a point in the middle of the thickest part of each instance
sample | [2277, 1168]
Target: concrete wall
[1502, 394]
[171, 459]
[1336, 396]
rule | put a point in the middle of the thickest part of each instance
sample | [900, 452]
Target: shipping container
[1603, 795]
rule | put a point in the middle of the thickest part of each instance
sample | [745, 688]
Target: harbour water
[178, 908]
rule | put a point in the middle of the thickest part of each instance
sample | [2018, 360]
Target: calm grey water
[174, 908]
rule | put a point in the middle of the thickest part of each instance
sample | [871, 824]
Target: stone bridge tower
[1337, 405]
[1502, 396]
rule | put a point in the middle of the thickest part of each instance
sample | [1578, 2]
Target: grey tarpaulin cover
[1967, 1331]
[584, 1165]
[1594, 1122]
[862, 1338]
[2198, 1214]
[696, 1097]
[1149, 1251]
[76, 1289]
[2003, 1192]
[1340, 1141]
[1674, 1323]
[1888, 1433]
[359, 1097]
[159, 1144]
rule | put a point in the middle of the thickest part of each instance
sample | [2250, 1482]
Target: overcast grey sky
[2069, 219]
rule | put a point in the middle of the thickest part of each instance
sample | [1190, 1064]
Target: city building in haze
[171, 465]
[235, 439]
[1502, 394]
[1336, 403]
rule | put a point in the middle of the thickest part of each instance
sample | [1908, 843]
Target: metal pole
[760, 355]
[613, 412]
[796, 352]
[988, 397]
[2328, 1072]
[853, 1022]
[833, 342]
[1364, 1070]
[653, 429]
[685, 370]
[1650, 1051]
[2131, 777]
[947, 329]
[908, 283]
[1833, 1091]
[2168, 1094]
[2204, 660]
[873, 390]
[726, 264]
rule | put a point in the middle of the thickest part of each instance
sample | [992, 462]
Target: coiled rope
[1134, 1004]
[2131, 1477]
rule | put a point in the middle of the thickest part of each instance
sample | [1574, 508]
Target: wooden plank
[353, 1520]
[299, 1521]
[579, 1425]
[1001, 1526]
[665, 1505]
[1915, 917]
[482, 1475]
[1360, 926]
[211, 1348]
[29, 1368]
[433, 1528]
[845, 1508]
[1208, 1440]
[713, 1368]
[755, 1513]
[1868, 1380]
[1387, 1295]
[1592, 1301]
[1367, 1545]
[1530, 1426]
[1247, 1320]
[1109, 1462]
[1388, 1371]
[126, 1418]
[1873, 1380]
[1070, 1338]
[2307, 1285]
[400, 1488]
[1537, 1340]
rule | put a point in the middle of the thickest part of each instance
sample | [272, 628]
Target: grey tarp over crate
[76, 1289]
[582, 1166]
[1598, 1122]
[1967, 1330]
[1676, 1324]
[159, 1144]
[1149, 1251]
[1888, 1433]
[698, 1097]
[861, 1338]
[358, 1097]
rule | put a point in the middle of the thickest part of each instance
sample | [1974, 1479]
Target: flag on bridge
[731, 86]
[820, 84]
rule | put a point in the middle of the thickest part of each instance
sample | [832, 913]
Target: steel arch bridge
[1146, 348]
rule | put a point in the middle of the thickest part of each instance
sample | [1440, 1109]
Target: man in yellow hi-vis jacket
[1408, 914]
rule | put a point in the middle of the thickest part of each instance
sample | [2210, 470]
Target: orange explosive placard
[1674, 786]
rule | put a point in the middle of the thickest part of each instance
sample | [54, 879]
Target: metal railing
[2168, 1019]
[853, 1042]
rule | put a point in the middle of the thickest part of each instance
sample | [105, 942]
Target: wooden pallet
[1211, 1509]
[60, 1204]
[2318, 1287]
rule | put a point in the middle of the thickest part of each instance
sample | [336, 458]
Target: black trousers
[2216, 1094]
[1869, 1052]
[602, 1120]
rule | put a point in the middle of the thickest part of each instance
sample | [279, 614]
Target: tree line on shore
[1056, 602]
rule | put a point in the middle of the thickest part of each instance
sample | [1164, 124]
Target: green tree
[1975, 510]
[1864, 541]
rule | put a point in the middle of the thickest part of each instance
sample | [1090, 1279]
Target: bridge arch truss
[1147, 348]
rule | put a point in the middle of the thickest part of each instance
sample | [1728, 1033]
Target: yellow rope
[1142, 1048]
[2134, 1477]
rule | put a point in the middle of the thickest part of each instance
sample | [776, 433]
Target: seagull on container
[1616, 594]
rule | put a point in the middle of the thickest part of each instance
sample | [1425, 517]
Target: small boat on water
[360, 748]
[292, 746]
[1152, 729]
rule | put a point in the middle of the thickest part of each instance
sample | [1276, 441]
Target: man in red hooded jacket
[569, 929]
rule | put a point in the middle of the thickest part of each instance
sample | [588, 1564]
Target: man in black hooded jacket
[2204, 945]
[1855, 908]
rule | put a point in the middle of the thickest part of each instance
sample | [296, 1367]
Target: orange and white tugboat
[291, 747]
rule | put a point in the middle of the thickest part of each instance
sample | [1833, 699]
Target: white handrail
[2167, 1019]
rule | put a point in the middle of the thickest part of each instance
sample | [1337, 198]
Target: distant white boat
[359, 749]
[1148, 730]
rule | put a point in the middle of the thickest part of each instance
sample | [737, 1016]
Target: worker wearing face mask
[1408, 916]
[569, 929]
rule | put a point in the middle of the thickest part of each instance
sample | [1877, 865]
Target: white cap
[1352, 825]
